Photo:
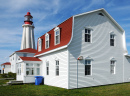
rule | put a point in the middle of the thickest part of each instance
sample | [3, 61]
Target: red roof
[28, 14]
[28, 50]
[65, 36]
[7, 63]
[30, 59]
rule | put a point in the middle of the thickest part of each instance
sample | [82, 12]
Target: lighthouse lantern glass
[28, 18]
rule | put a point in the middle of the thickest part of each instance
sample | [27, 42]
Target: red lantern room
[28, 19]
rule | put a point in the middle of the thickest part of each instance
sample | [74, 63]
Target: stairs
[11, 82]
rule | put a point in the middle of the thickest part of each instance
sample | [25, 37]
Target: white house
[88, 49]
[5, 67]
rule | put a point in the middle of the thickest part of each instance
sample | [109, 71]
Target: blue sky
[49, 13]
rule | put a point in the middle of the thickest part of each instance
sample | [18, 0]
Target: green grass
[3, 81]
[44, 90]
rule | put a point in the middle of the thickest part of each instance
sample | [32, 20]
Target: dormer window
[57, 35]
[39, 44]
[47, 40]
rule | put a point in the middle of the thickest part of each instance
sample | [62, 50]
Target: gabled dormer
[57, 35]
[47, 40]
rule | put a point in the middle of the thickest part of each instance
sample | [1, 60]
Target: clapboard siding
[126, 69]
[52, 79]
[99, 50]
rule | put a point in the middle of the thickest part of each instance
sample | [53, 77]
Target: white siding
[52, 79]
[14, 59]
[7, 69]
[126, 69]
[99, 50]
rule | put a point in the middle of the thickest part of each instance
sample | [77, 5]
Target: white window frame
[91, 30]
[39, 44]
[47, 68]
[47, 40]
[34, 67]
[113, 37]
[55, 30]
[113, 63]
[57, 67]
[90, 67]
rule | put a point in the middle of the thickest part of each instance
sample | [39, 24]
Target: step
[14, 82]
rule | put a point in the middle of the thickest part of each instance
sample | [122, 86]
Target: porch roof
[7, 63]
[30, 59]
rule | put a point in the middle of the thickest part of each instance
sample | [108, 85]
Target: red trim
[65, 36]
[28, 50]
[30, 59]
[28, 22]
[7, 63]
[28, 14]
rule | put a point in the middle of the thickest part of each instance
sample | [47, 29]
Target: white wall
[14, 59]
[99, 50]
[126, 69]
[7, 69]
[52, 79]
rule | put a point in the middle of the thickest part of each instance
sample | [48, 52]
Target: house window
[29, 69]
[112, 39]
[47, 68]
[88, 67]
[32, 69]
[87, 35]
[57, 68]
[39, 44]
[57, 35]
[24, 54]
[47, 41]
[18, 69]
[37, 68]
[112, 67]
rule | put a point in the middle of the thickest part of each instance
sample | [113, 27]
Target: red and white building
[5, 67]
[88, 49]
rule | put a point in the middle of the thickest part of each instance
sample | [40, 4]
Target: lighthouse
[28, 33]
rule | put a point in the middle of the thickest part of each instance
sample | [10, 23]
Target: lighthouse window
[47, 41]
[57, 35]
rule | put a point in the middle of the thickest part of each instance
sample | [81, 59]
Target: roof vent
[100, 14]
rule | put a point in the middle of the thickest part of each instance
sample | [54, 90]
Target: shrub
[9, 75]
[4, 75]
[12, 75]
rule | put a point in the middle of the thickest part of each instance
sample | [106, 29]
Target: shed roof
[30, 59]
[7, 63]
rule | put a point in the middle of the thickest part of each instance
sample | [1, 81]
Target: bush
[12, 75]
[9, 75]
[4, 75]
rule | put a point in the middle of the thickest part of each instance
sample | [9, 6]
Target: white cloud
[93, 3]
[128, 44]
[126, 19]
[4, 55]
[126, 25]
[120, 8]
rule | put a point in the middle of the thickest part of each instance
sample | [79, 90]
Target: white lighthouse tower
[28, 33]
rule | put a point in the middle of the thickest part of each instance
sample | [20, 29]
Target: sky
[47, 14]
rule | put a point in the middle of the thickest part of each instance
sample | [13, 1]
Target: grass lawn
[44, 90]
[3, 81]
